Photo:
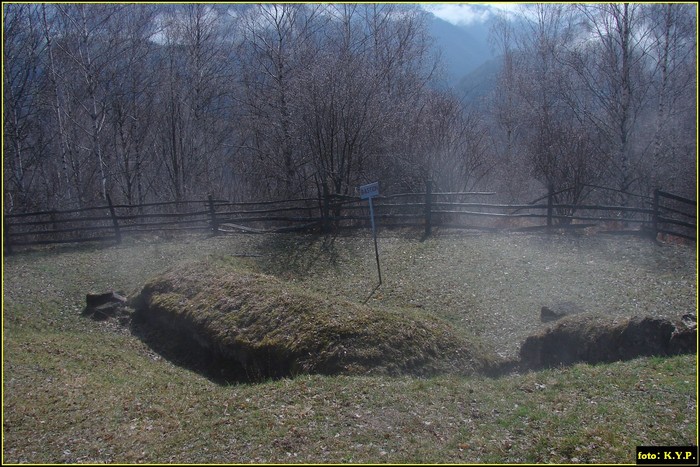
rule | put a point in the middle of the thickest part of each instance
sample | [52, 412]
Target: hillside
[463, 48]
[78, 390]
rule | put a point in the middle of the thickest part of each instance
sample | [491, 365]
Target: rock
[558, 311]
[684, 337]
[104, 305]
[689, 320]
[96, 300]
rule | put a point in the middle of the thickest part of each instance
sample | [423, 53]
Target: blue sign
[369, 191]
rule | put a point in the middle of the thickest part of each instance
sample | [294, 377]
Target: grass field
[77, 390]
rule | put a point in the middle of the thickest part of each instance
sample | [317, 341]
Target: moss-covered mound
[269, 328]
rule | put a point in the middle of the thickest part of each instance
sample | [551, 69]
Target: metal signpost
[368, 192]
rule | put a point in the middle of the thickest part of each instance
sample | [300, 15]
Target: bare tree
[442, 142]
[131, 103]
[507, 118]
[90, 47]
[612, 68]
[175, 101]
[195, 95]
[280, 42]
[68, 179]
[504, 101]
[538, 107]
[673, 29]
[25, 135]
[363, 92]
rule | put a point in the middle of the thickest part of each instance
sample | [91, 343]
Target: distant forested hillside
[151, 102]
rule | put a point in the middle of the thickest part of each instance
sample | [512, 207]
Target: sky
[466, 13]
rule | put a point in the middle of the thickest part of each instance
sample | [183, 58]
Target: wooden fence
[674, 215]
[664, 213]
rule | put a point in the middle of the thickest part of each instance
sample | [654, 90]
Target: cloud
[467, 13]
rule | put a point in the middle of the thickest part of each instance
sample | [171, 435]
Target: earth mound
[265, 328]
[599, 339]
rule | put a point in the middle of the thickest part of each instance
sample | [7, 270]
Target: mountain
[463, 48]
[478, 83]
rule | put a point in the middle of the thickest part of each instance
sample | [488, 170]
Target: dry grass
[76, 390]
[495, 285]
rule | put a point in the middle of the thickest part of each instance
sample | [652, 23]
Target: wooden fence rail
[668, 214]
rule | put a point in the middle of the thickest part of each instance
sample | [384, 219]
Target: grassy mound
[603, 339]
[268, 328]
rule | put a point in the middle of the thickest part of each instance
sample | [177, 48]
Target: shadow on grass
[294, 255]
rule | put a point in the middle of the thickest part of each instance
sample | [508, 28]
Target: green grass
[76, 390]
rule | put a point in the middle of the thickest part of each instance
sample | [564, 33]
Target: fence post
[428, 207]
[326, 211]
[115, 223]
[52, 217]
[655, 215]
[7, 246]
[212, 213]
[550, 203]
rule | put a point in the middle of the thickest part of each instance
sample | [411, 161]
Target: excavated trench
[235, 327]
[255, 327]
[597, 339]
